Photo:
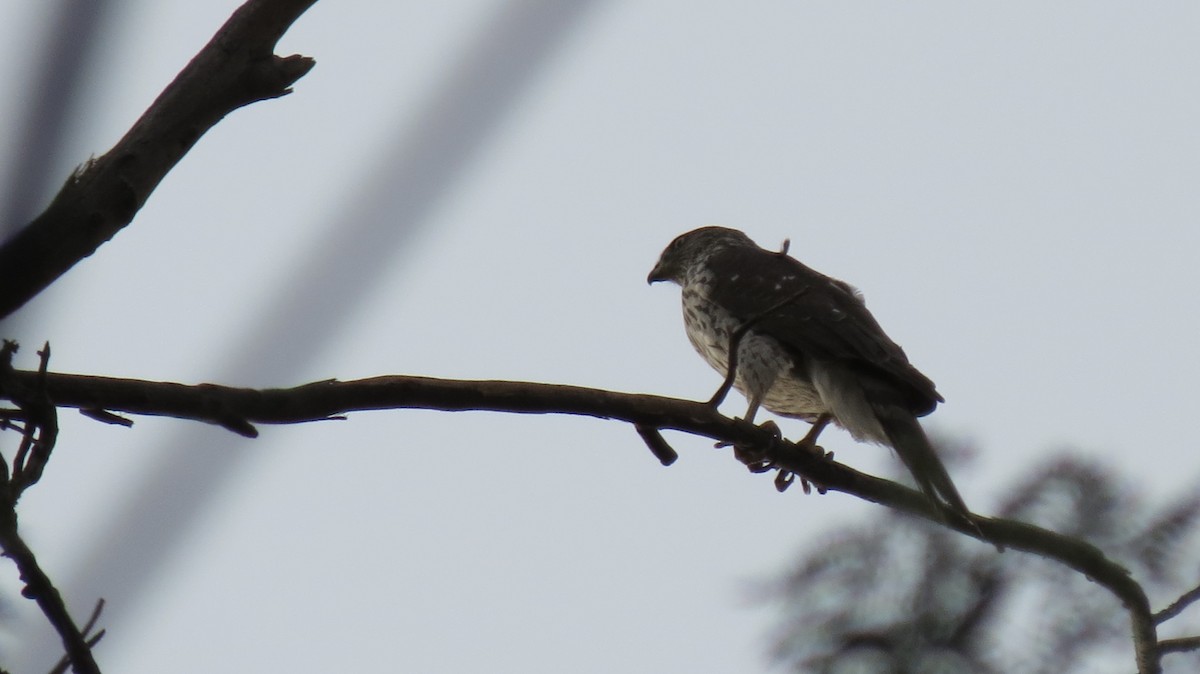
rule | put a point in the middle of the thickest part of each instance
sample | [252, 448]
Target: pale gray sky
[1012, 186]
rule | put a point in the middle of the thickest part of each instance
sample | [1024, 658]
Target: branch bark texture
[237, 67]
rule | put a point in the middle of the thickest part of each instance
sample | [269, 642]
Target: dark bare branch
[41, 427]
[658, 445]
[92, 639]
[1180, 645]
[39, 588]
[325, 399]
[236, 68]
[1178, 606]
[321, 400]
[107, 417]
[39, 431]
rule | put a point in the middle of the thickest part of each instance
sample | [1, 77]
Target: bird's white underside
[766, 374]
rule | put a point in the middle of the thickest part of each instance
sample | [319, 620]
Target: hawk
[810, 350]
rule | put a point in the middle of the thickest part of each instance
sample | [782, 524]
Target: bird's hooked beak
[657, 274]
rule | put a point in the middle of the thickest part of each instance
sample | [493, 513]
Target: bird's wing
[815, 316]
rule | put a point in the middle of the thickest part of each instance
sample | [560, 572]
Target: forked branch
[237, 67]
[239, 409]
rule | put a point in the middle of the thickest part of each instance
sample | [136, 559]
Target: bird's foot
[757, 457]
[768, 425]
[785, 478]
[807, 485]
[808, 443]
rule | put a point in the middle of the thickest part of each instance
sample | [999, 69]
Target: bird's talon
[752, 458]
[784, 479]
[772, 428]
[760, 466]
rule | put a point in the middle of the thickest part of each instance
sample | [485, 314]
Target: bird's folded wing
[823, 318]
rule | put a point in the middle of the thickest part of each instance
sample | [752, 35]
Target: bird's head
[691, 250]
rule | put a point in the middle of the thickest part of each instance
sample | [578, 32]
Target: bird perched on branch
[808, 347]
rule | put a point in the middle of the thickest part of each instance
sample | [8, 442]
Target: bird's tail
[909, 441]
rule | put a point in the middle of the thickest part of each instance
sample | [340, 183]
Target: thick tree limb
[237, 67]
[238, 409]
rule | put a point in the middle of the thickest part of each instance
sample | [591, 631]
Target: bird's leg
[755, 458]
[810, 438]
[752, 410]
[735, 339]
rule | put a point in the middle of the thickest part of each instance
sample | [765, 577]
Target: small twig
[1178, 606]
[7, 349]
[8, 415]
[96, 611]
[27, 440]
[39, 588]
[65, 662]
[32, 412]
[39, 432]
[662, 451]
[1179, 645]
[41, 429]
[107, 417]
[237, 425]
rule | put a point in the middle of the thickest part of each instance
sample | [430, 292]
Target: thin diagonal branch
[91, 639]
[39, 432]
[39, 588]
[236, 68]
[1178, 606]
